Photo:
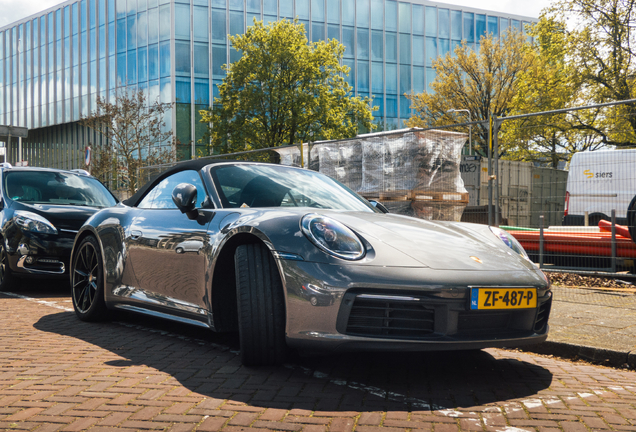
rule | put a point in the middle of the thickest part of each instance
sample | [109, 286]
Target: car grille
[393, 318]
[475, 323]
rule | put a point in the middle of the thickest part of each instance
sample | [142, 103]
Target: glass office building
[55, 64]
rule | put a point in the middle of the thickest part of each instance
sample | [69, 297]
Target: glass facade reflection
[55, 64]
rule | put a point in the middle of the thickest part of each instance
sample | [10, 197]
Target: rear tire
[261, 306]
[87, 282]
[7, 279]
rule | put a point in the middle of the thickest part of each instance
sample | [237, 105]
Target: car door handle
[135, 234]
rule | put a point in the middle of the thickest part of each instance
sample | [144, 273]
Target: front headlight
[332, 237]
[34, 222]
[510, 241]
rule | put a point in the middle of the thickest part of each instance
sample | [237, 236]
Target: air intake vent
[542, 316]
[390, 318]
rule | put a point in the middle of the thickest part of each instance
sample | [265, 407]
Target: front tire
[87, 282]
[7, 279]
[261, 306]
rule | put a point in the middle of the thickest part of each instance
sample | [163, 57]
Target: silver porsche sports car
[294, 260]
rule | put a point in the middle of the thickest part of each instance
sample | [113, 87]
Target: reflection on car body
[294, 260]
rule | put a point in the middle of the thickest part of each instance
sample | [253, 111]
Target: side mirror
[379, 206]
[184, 195]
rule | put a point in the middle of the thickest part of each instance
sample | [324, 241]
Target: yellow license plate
[503, 298]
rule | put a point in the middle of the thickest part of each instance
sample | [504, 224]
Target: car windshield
[252, 185]
[54, 187]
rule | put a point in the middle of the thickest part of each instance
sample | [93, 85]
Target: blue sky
[13, 10]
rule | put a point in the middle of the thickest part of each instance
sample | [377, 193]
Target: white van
[599, 181]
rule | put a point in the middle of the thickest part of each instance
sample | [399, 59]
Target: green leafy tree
[550, 83]
[483, 82]
[283, 90]
[599, 41]
[136, 137]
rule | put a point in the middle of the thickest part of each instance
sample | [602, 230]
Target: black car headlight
[34, 222]
[332, 237]
[510, 241]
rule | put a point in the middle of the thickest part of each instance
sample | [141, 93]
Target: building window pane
[200, 26]
[302, 9]
[286, 9]
[419, 80]
[431, 21]
[430, 76]
[456, 24]
[418, 19]
[333, 31]
[444, 23]
[390, 12]
[131, 7]
[218, 26]
[318, 10]
[405, 48]
[270, 7]
[121, 35]
[363, 44]
[351, 64]
[469, 27]
[391, 47]
[333, 11]
[348, 40]
[516, 25]
[153, 26]
[202, 93]
[131, 35]
[153, 61]
[391, 78]
[391, 106]
[182, 57]
[201, 60]
[377, 45]
[363, 76]
[362, 13]
[377, 14]
[480, 26]
[492, 25]
[254, 6]
[348, 12]
[142, 65]
[236, 23]
[418, 50]
[131, 76]
[405, 79]
[405, 107]
[444, 47]
[377, 77]
[219, 58]
[182, 21]
[503, 25]
[236, 5]
[164, 59]
[164, 22]
[219, 4]
[431, 50]
[317, 32]
[142, 29]
[405, 17]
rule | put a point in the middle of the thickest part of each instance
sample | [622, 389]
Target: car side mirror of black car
[379, 206]
[184, 195]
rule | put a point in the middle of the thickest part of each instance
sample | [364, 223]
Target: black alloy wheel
[6, 275]
[87, 282]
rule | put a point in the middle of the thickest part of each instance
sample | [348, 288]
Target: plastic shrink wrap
[412, 172]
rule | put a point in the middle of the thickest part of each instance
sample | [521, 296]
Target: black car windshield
[252, 185]
[55, 187]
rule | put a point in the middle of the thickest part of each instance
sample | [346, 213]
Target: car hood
[66, 217]
[436, 244]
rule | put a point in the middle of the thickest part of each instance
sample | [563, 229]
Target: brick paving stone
[277, 426]
[342, 425]
[370, 418]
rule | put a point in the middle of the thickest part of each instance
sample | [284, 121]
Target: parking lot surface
[132, 373]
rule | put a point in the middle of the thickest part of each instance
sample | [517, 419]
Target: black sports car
[242, 246]
[41, 211]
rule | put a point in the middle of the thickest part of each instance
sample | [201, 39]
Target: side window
[160, 197]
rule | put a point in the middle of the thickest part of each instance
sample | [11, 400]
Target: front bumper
[35, 254]
[407, 309]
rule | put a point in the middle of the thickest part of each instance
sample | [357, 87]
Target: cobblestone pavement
[58, 373]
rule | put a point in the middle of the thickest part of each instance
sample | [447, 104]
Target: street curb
[607, 357]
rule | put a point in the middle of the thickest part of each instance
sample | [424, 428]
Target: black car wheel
[313, 300]
[87, 282]
[261, 306]
[6, 275]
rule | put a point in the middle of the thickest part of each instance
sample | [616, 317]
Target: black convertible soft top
[194, 164]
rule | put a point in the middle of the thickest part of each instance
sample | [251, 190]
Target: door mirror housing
[184, 195]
